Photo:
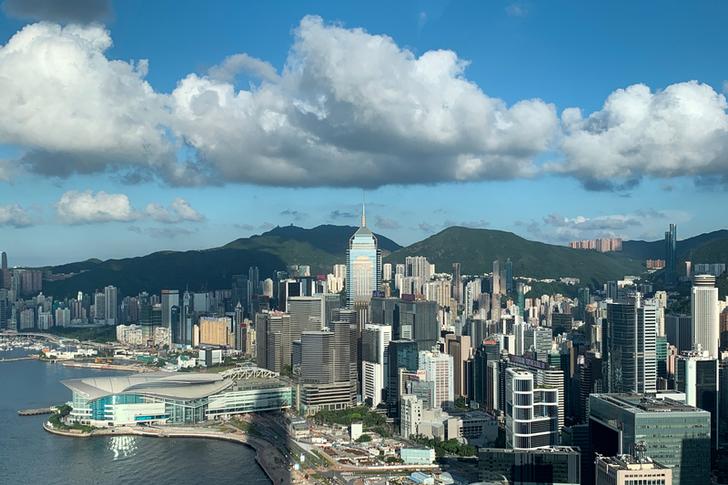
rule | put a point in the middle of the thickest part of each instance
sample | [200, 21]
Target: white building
[705, 313]
[438, 369]
[531, 412]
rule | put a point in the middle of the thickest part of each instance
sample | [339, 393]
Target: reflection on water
[123, 446]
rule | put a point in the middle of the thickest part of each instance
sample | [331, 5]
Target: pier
[35, 412]
[16, 359]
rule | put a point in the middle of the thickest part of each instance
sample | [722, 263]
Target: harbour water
[30, 455]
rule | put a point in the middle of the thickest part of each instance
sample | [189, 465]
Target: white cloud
[348, 109]
[14, 216]
[639, 224]
[232, 65]
[73, 108]
[179, 211]
[354, 109]
[87, 207]
[680, 131]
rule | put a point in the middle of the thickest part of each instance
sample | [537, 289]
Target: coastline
[264, 452]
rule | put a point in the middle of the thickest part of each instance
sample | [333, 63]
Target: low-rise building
[417, 456]
[628, 470]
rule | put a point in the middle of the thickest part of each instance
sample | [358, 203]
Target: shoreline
[234, 437]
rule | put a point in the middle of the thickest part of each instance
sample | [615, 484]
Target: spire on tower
[363, 215]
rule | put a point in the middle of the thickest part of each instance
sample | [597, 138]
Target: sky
[128, 127]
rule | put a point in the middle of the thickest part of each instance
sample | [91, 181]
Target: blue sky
[544, 174]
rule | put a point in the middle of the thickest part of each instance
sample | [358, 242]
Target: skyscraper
[457, 283]
[111, 307]
[4, 271]
[671, 254]
[318, 357]
[170, 299]
[509, 275]
[697, 376]
[632, 333]
[374, 342]
[705, 314]
[363, 264]
[495, 281]
[531, 412]
[401, 354]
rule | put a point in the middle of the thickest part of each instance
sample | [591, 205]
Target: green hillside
[476, 249]
[715, 244]
[320, 247]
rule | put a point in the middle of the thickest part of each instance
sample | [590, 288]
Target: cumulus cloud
[355, 109]
[76, 111]
[348, 109]
[72, 11]
[14, 216]
[679, 131]
[75, 207]
[88, 207]
[342, 214]
[237, 63]
[179, 211]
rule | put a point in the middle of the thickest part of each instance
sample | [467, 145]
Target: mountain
[476, 249]
[703, 248]
[320, 247]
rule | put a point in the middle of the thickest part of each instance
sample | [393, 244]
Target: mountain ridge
[324, 245]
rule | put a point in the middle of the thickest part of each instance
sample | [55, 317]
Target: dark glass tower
[671, 254]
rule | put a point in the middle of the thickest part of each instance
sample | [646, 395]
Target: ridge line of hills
[325, 245]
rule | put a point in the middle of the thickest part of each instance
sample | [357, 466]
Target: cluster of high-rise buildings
[602, 245]
[608, 382]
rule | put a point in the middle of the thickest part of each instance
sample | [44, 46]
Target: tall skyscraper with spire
[363, 264]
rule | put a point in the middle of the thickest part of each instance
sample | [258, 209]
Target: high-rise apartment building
[363, 265]
[438, 370]
[705, 314]
[216, 331]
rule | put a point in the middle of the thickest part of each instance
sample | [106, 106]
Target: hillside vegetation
[476, 249]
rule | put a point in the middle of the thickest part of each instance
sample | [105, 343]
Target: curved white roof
[172, 385]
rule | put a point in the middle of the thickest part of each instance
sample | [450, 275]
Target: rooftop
[173, 385]
[629, 462]
[639, 402]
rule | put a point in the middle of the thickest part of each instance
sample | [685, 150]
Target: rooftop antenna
[363, 209]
